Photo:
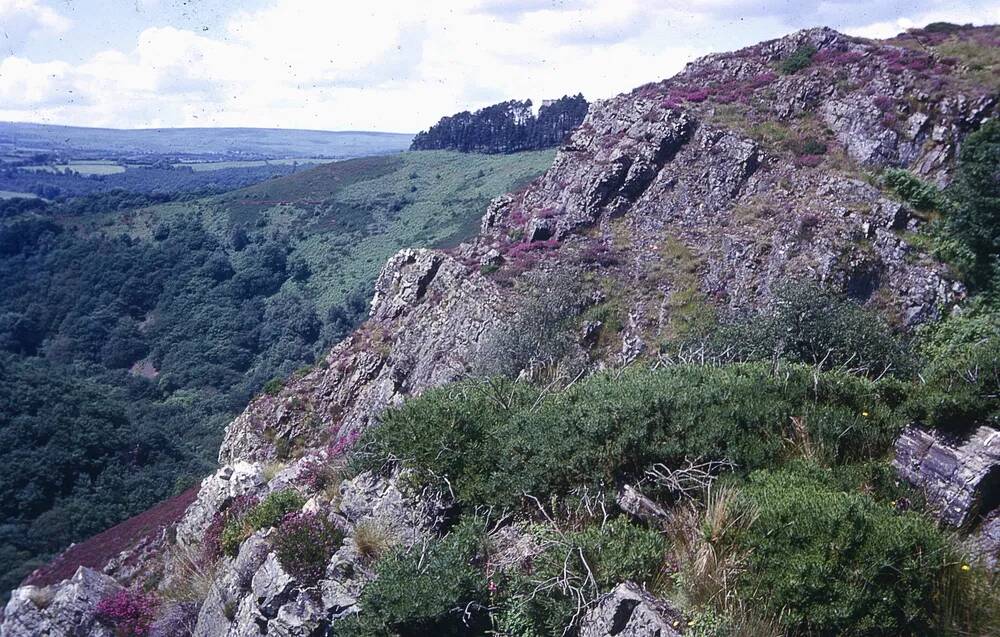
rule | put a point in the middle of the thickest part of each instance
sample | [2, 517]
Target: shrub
[497, 441]
[830, 562]
[267, 513]
[426, 590]
[129, 611]
[961, 390]
[975, 218]
[807, 324]
[800, 59]
[916, 192]
[615, 552]
[273, 386]
[304, 543]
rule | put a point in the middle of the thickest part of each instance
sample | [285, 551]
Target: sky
[392, 65]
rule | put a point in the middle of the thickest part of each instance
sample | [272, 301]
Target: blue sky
[379, 65]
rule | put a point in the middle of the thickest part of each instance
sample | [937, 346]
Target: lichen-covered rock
[958, 478]
[429, 312]
[629, 611]
[216, 491]
[408, 517]
[63, 610]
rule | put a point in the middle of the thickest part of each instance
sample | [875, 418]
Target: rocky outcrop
[428, 314]
[629, 611]
[66, 609]
[961, 479]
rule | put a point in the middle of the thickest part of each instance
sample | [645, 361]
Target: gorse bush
[808, 324]
[798, 60]
[496, 442]
[916, 192]
[268, 512]
[975, 193]
[437, 588]
[304, 543]
[829, 562]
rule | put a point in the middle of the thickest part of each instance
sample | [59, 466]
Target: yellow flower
[865, 414]
[965, 567]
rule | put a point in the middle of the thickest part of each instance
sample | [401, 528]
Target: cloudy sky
[393, 65]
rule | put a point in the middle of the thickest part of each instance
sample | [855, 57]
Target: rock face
[427, 316]
[629, 611]
[62, 610]
[961, 480]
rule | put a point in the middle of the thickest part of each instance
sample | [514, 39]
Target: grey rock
[62, 610]
[301, 617]
[633, 502]
[629, 611]
[957, 477]
[216, 491]
[272, 586]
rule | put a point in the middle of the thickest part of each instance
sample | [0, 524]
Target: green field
[97, 167]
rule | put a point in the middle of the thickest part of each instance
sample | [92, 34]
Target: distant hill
[507, 127]
[202, 143]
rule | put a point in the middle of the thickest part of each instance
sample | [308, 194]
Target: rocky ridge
[680, 193]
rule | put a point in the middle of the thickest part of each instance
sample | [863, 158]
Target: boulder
[629, 611]
[64, 609]
[961, 478]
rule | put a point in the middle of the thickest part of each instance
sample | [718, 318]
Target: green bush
[833, 562]
[975, 218]
[916, 192]
[427, 589]
[798, 60]
[273, 387]
[265, 514]
[808, 324]
[962, 390]
[496, 442]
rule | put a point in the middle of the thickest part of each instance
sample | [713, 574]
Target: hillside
[729, 366]
[129, 338]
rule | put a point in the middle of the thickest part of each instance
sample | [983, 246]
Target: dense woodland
[507, 127]
[211, 324]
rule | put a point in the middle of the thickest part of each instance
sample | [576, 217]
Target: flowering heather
[212, 540]
[129, 611]
[344, 443]
[304, 543]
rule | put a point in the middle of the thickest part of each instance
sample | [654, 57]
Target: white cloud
[23, 19]
[400, 65]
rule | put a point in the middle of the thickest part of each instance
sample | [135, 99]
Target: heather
[129, 611]
[304, 543]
